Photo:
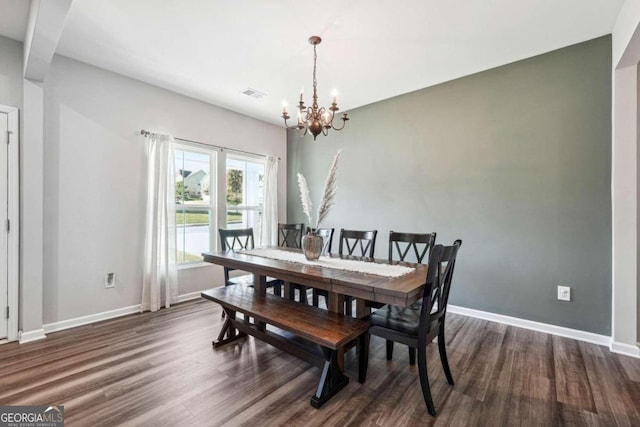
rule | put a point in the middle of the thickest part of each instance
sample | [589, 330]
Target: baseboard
[30, 336]
[590, 337]
[626, 349]
[189, 296]
[561, 331]
[105, 315]
[92, 318]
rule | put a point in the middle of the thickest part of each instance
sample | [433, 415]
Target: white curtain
[268, 235]
[160, 281]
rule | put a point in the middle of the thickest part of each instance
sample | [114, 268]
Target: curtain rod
[146, 133]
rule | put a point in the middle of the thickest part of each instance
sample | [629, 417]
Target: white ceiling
[371, 50]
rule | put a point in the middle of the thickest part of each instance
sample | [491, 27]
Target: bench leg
[332, 380]
[228, 330]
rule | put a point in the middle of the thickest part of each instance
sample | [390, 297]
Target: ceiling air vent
[253, 93]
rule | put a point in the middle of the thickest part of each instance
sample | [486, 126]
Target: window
[195, 202]
[244, 192]
[200, 198]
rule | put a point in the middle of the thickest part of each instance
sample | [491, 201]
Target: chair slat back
[403, 243]
[290, 235]
[327, 237]
[236, 239]
[351, 240]
[442, 262]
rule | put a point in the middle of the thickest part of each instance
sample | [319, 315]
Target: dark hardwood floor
[160, 369]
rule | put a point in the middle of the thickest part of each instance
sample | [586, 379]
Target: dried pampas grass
[327, 197]
[329, 190]
[305, 198]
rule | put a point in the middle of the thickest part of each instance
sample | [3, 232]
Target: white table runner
[385, 270]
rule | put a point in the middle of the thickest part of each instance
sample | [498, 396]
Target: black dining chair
[327, 237]
[238, 240]
[327, 240]
[411, 247]
[415, 326]
[290, 235]
[352, 242]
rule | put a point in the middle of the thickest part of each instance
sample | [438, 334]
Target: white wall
[32, 209]
[625, 180]
[10, 73]
[625, 206]
[94, 176]
[26, 96]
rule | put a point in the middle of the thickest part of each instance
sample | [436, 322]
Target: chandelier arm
[286, 125]
[344, 122]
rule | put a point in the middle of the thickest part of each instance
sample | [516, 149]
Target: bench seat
[331, 331]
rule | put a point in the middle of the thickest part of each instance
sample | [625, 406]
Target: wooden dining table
[364, 287]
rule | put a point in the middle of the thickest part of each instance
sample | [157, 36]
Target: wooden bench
[308, 332]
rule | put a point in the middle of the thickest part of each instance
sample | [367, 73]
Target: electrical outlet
[564, 293]
[110, 280]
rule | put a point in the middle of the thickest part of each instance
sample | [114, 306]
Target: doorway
[9, 226]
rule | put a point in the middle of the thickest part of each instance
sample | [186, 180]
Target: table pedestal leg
[335, 302]
[332, 380]
[362, 309]
[260, 285]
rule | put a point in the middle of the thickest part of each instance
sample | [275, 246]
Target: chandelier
[313, 119]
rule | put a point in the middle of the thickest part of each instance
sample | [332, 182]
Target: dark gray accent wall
[515, 161]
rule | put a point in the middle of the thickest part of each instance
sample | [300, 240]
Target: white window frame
[243, 157]
[212, 207]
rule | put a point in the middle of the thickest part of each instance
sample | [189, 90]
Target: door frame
[13, 199]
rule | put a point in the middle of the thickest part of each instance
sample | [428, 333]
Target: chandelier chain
[315, 82]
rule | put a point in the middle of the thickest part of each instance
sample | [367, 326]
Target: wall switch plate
[110, 280]
[564, 293]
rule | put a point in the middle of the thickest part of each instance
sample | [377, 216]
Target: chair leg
[424, 379]
[412, 356]
[443, 355]
[363, 357]
[303, 294]
[314, 298]
[277, 290]
[349, 306]
[389, 349]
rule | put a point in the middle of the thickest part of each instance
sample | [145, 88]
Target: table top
[402, 291]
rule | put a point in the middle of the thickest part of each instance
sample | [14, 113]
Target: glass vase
[312, 245]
